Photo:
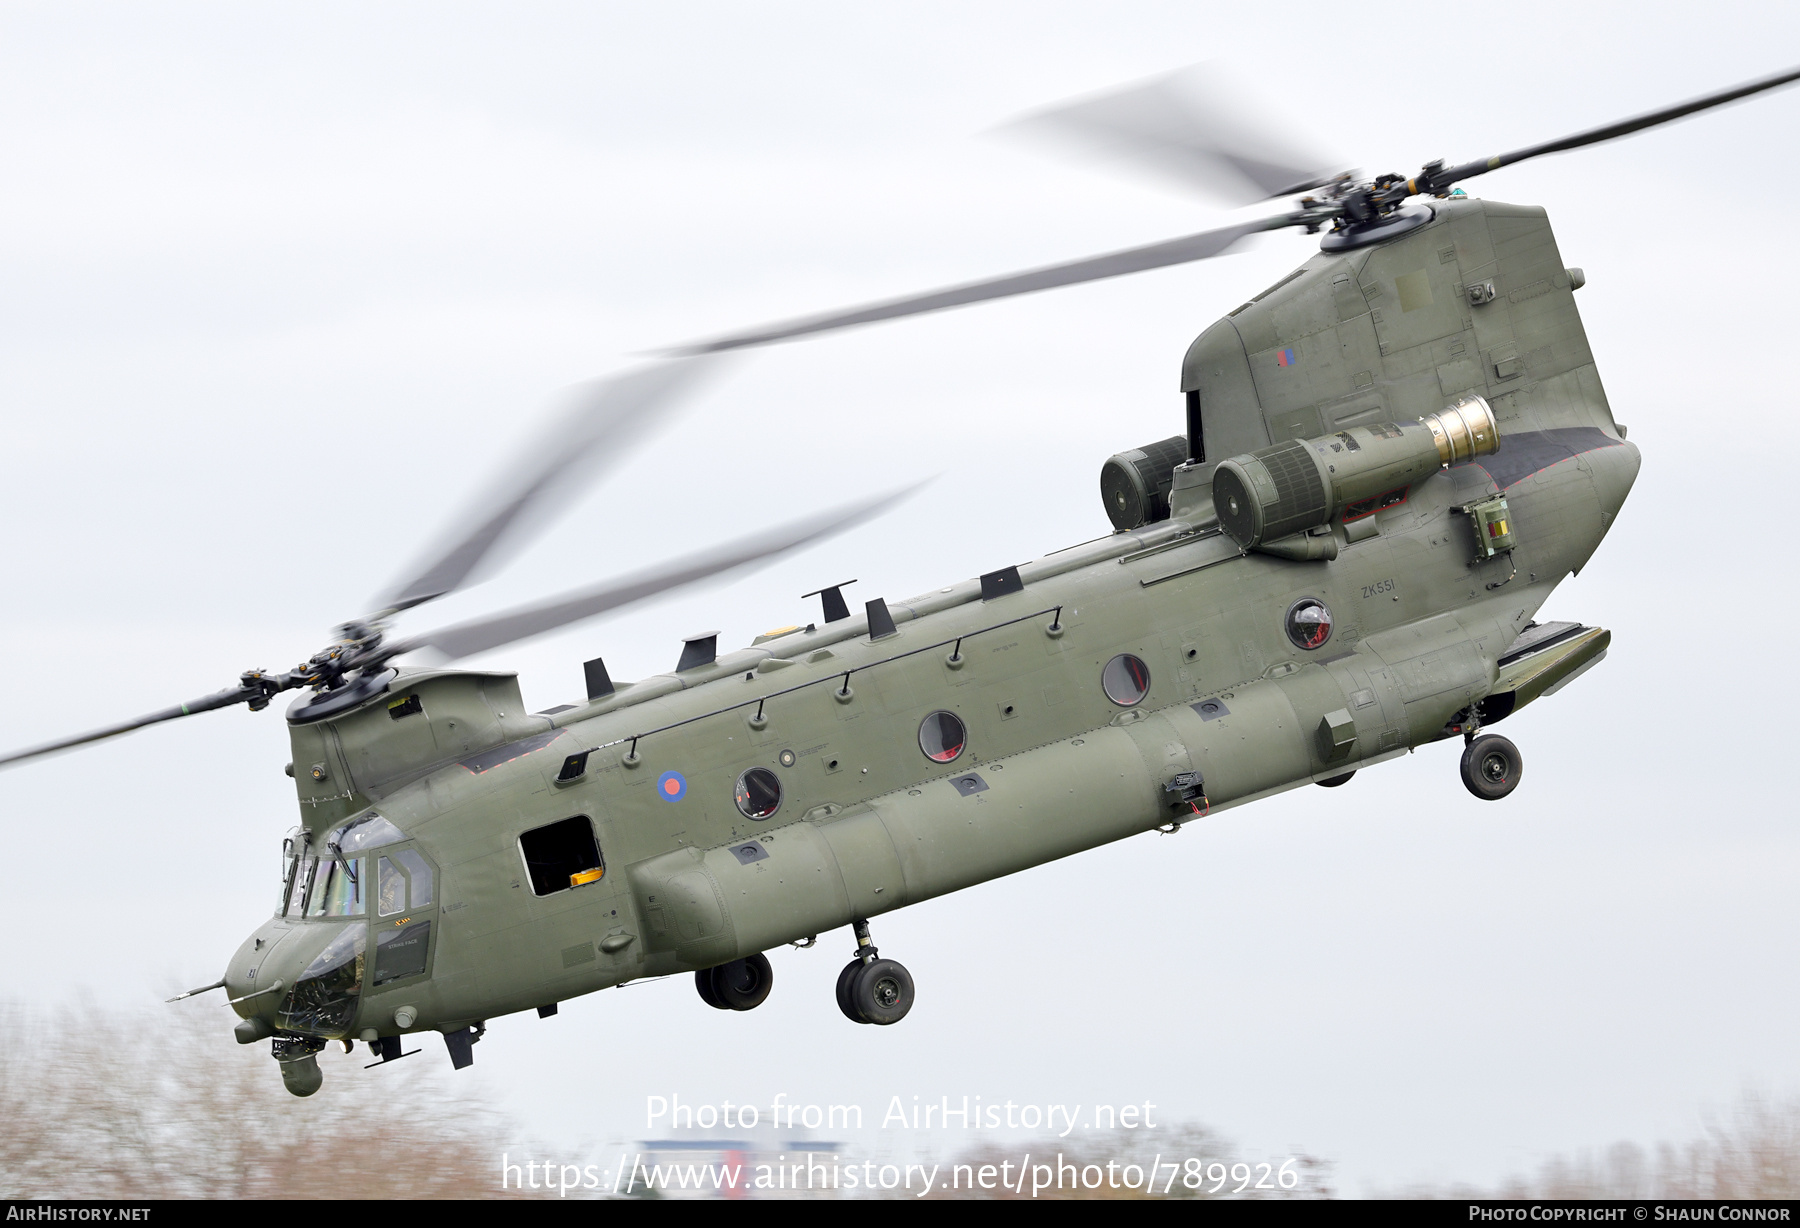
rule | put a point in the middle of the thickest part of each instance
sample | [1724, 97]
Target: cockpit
[331, 881]
[363, 870]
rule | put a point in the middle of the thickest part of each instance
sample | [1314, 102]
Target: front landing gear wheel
[704, 983]
[882, 992]
[1491, 767]
[846, 978]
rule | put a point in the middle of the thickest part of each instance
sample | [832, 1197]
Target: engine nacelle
[1134, 485]
[1289, 488]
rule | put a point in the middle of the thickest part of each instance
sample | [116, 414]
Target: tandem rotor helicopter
[1390, 458]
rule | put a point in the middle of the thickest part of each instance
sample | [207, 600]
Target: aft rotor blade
[1624, 127]
[1095, 268]
[604, 418]
[479, 635]
[220, 699]
[1199, 126]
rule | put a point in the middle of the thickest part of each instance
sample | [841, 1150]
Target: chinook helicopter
[1390, 459]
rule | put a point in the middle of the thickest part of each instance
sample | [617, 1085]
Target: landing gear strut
[871, 989]
[740, 985]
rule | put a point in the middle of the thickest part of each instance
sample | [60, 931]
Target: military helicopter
[1390, 459]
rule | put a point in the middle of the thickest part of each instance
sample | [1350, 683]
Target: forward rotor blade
[479, 635]
[219, 699]
[604, 418]
[1199, 127]
[1095, 268]
[1609, 132]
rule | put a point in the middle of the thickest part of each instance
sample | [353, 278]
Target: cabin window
[1308, 623]
[942, 737]
[562, 855]
[758, 793]
[1126, 680]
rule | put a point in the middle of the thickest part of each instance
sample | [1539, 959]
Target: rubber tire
[882, 993]
[1491, 767]
[743, 984]
[1332, 782]
[704, 983]
[845, 978]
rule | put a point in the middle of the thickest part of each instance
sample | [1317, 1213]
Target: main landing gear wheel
[1332, 782]
[741, 985]
[846, 978]
[871, 989]
[1491, 767]
[882, 992]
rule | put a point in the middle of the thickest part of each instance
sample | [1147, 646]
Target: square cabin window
[560, 854]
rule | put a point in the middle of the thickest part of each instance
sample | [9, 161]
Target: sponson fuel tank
[1267, 495]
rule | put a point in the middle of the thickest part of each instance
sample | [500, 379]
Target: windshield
[337, 890]
[299, 878]
[323, 1000]
[330, 883]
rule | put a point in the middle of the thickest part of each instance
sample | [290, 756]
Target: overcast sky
[280, 284]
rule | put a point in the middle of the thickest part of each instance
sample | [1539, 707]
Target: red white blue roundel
[671, 786]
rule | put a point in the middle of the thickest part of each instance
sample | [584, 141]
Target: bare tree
[166, 1105]
[1752, 1152]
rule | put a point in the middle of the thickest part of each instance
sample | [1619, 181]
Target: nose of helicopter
[300, 984]
[255, 966]
[268, 964]
[308, 982]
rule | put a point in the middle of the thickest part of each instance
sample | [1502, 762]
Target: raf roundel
[671, 786]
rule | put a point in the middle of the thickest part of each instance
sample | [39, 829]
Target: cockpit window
[290, 862]
[323, 1000]
[300, 872]
[338, 891]
[370, 831]
[393, 882]
[393, 889]
[419, 873]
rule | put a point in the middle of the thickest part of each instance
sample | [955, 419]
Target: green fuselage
[867, 821]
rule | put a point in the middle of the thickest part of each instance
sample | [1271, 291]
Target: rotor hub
[1379, 229]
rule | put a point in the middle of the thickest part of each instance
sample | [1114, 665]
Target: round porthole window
[942, 736]
[1309, 623]
[758, 793]
[1126, 679]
